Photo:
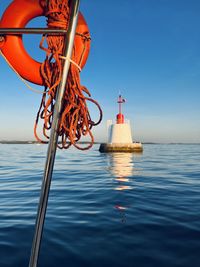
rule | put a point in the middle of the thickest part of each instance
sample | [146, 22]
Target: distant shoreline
[33, 142]
[18, 142]
[145, 143]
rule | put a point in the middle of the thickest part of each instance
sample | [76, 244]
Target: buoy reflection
[121, 179]
[120, 207]
[121, 166]
[123, 187]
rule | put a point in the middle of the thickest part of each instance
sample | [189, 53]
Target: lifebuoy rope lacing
[75, 119]
[71, 61]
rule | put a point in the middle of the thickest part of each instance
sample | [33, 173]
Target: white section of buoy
[120, 133]
[108, 126]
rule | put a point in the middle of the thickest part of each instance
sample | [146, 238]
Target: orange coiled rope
[75, 119]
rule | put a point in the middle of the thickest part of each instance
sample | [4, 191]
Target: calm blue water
[122, 210]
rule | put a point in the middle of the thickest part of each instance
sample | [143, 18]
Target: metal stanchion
[74, 8]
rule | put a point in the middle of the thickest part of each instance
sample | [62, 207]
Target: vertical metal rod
[51, 152]
[120, 107]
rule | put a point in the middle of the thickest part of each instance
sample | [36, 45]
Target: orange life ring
[17, 15]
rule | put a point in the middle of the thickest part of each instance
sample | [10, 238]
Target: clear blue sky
[147, 49]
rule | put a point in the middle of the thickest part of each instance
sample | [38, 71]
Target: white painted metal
[120, 134]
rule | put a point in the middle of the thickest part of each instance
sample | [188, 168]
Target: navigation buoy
[119, 134]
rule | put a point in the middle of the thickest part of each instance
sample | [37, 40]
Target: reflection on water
[123, 187]
[122, 213]
[121, 179]
[121, 166]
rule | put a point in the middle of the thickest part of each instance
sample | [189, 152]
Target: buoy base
[121, 147]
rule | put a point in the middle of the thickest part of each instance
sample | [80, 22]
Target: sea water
[121, 210]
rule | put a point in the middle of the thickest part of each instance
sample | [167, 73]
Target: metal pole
[74, 7]
[14, 31]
